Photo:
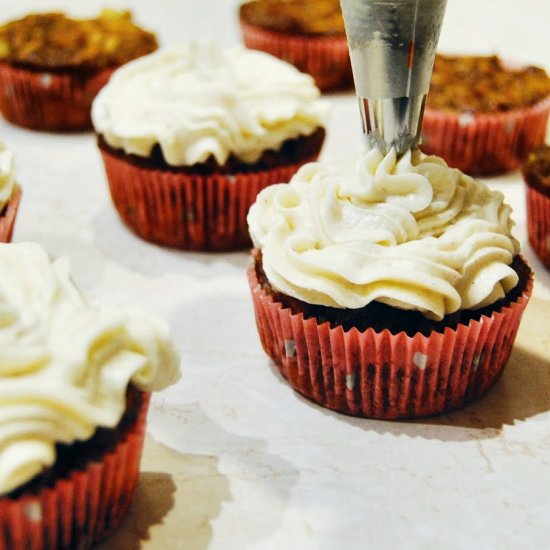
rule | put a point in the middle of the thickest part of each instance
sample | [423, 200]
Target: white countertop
[234, 458]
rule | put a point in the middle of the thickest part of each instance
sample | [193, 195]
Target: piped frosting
[409, 232]
[65, 364]
[199, 101]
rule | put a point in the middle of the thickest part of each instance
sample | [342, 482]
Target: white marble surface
[256, 465]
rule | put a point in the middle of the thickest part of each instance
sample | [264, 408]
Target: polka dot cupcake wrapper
[191, 212]
[49, 101]
[384, 375]
[326, 58]
[485, 144]
[538, 224]
[8, 215]
[82, 508]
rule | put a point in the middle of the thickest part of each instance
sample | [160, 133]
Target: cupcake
[52, 66]
[76, 383]
[190, 135]
[536, 174]
[388, 288]
[10, 195]
[309, 34]
[483, 116]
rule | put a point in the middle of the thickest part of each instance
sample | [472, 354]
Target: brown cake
[536, 169]
[379, 317]
[483, 116]
[80, 454]
[52, 66]
[536, 173]
[308, 33]
[291, 152]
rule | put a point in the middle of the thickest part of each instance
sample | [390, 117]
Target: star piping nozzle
[392, 46]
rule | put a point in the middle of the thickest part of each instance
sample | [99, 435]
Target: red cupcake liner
[82, 508]
[188, 211]
[538, 224]
[326, 58]
[42, 100]
[8, 215]
[384, 375]
[486, 143]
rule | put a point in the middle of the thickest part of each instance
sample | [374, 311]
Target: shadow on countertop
[181, 495]
[172, 509]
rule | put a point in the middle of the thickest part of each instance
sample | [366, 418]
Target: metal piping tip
[392, 47]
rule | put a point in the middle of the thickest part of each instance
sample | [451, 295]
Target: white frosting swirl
[7, 176]
[65, 364]
[198, 100]
[412, 233]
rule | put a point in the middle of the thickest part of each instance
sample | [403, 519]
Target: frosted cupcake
[386, 288]
[190, 135]
[52, 66]
[10, 194]
[76, 382]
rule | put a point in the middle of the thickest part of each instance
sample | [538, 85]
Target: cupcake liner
[538, 224]
[326, 58]
[486, 143]
[8, 215]
[83, 507]
[188, 211]
[42, 100]
[384, 375]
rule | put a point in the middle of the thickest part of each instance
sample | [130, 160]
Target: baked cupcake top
[199, 101]
[7, 176]
[309, 17]
[65, 363]
[54, 41]
[536, 169]
[484, 84]
[411, 233]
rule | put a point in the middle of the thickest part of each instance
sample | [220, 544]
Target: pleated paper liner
[42, 100]
[191, 212]
[384, 375]
[84, 506]
[326, 58]
[538, 224]
[485, 143]
[8, 215]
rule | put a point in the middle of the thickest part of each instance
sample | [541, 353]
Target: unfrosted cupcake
[536, 174]
[483, 116]
[76, 382]
[52, 66]
[309, 34]
[10, 195]
[386, 288]
[190, 135]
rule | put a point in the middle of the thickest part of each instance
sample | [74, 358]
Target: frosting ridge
[199, 100]
[409, 232]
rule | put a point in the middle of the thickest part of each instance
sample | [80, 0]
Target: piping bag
[392, 46]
